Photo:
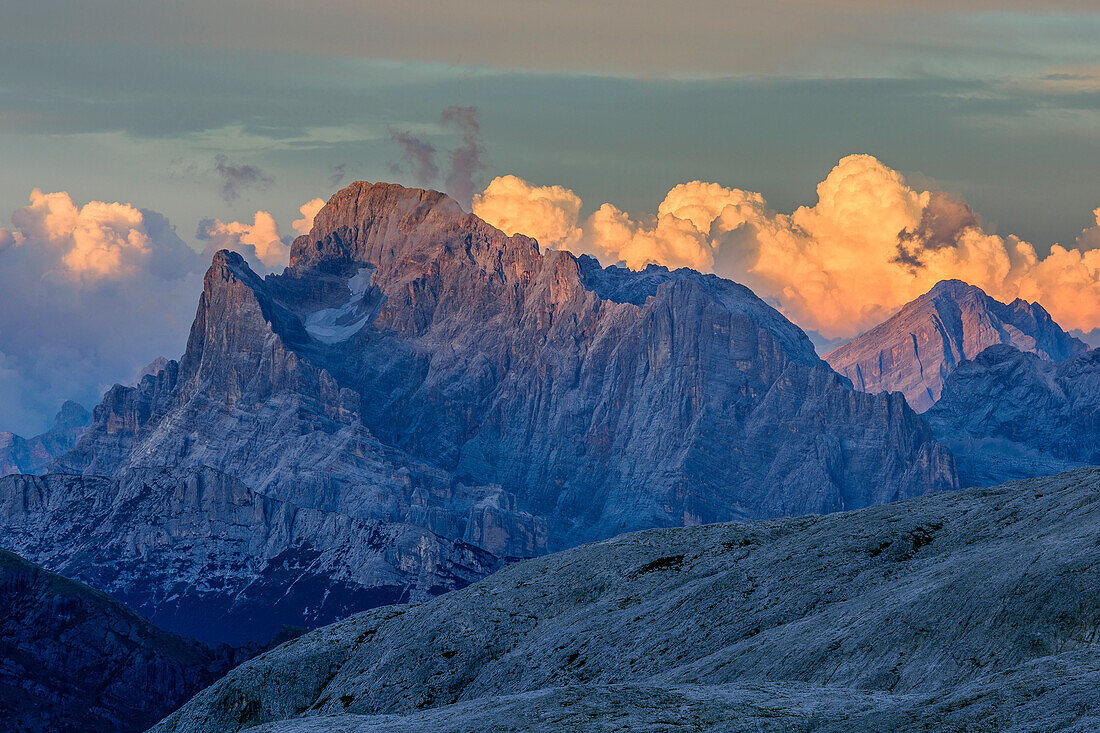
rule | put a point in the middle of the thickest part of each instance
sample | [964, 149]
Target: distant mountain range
[420, 401]
[32, 455]
[915, 350]
[1008, 414]
[421, 390]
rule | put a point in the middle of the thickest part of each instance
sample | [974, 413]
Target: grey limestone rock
[201, 554]
[1009, 414]
[918, 347]
[32, 455]
[968, 610]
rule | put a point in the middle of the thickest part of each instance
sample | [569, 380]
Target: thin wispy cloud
[466, 159]
[417, 157]
[237, 178]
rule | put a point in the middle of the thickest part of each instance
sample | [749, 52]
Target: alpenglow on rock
[970, 610]
[414, 365]
[915, 349]
[1008, 414]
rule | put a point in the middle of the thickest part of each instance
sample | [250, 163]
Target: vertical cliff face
[75, 659]
[1010, 414]
[416, 366]
[915, 350]
[201, 554]
[410, 345]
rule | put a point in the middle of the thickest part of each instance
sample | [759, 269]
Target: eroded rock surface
[410, 347]
[967, 610]
[915, 350]
[1008, 414]
[200, 553]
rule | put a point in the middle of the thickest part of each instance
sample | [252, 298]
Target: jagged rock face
[201, 554]
[916, 616]
[914, 350]
[76, 660]
[409, 345]
[416, 366]
[1009, 414]
[31, 455]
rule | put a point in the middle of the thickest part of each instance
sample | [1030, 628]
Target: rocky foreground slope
[915, 350]
[73, 659]
[1008, 414]
[971, 610]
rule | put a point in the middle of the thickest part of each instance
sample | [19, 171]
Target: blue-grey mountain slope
[915, 350]
[969, 610]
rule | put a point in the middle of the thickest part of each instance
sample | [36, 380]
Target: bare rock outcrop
[1008, 414]
[966, 610]
[915, 350]
[32, 455]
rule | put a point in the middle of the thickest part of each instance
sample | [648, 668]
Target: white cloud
[258, 241]
[91, 293]
[308, 210]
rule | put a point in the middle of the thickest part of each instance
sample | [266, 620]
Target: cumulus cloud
[418, 157]
[236, 178]
[257, 242]
[308, 210]
[869, 244]
[97, 241]
[91, 293]
[547, 213]
[466, 160]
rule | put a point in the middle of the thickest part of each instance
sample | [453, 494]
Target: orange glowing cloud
[97, 241]
[868, 245]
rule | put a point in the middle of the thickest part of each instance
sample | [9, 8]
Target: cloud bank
[91, 293]
[870, 244]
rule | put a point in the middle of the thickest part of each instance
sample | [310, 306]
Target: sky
[137, 137]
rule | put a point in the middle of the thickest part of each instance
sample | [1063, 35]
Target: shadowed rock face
[31, 455]
[200, 553]
[967, 610]
[414, 365]
[1008, 414]
[77, 660]
[914, 350]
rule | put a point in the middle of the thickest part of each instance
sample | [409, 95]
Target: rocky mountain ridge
[914, 350]
[415, 369]
[32, 455]
[199, 553]
[1009, 414]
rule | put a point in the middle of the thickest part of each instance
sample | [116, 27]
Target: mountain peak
[362, 220]
[914, 350]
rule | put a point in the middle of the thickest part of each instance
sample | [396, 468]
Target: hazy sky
[206, 112]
